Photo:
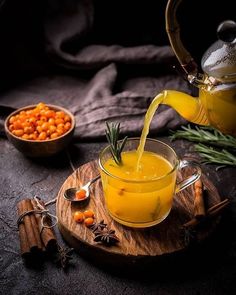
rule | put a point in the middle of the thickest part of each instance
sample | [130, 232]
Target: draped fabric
[123, 61]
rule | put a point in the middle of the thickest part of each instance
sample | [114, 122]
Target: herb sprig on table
[212, 156]
[213, 146]
[208, 135]
[112, 134]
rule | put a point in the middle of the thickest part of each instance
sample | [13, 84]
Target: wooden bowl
[41, 148]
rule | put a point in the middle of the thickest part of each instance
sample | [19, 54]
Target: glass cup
[144, 200]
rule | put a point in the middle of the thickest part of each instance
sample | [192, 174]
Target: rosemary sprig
[211, 137]
[208, 135]
[212, 156]
[112, 134]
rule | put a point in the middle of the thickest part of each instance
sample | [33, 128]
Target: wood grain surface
[165, 238]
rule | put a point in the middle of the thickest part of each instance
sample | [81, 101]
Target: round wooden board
[165, 238]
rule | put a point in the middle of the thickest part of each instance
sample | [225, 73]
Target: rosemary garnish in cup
[112, 134]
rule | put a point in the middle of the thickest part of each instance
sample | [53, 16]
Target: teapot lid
[219, 61]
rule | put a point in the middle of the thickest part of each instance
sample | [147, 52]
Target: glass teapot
[216, 104]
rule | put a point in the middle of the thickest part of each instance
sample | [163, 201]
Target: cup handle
[190, 179]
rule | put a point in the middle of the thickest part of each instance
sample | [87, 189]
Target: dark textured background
[27, 76]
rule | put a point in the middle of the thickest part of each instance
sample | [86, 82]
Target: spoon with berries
[75, 194]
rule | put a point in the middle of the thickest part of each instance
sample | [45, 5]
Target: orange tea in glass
[139, 192]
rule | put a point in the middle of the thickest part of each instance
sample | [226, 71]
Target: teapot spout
[190, 108]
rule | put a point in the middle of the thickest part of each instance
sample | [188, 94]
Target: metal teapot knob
[226, 31]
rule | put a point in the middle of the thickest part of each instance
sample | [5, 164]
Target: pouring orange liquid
[141, 191]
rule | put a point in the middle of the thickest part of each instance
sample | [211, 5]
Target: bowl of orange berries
[40, 130]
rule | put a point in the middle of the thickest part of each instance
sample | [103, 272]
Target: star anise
[188, 236]
[64, 255]
[98, 226]
[106, 236]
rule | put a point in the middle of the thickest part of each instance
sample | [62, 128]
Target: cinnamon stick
[47, 234]
[212, 211]
[24, 244]
[28, 226]
[218, 207]
[35, 226]
[198, 205]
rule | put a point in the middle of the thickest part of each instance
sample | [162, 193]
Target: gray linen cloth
[120, 79]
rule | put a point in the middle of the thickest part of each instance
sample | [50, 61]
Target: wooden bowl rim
[55, 107]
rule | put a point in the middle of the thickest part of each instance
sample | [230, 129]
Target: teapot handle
[173, 32]
[226, 31]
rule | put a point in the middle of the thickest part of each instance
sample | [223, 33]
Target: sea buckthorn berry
[54, 135]
[50, 114]
[89, 221]
[42, 135]
[81, 194]
[79, 216]
[59, 132]
[45, 126]
[39, 123]
[60, 114]
[18, 132]
[17, 124]
[28, 130]
[67, 126]
[40, 106]
[33, 136]
[59, 121]
[12, 119]
[51, 121]
[29, 112]
[43, 118]
[32, 120]
[39, 129]
[60, 126]
[67, 118]
[52, 128]
[25, 124]
[25, 136]
[89, 213]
